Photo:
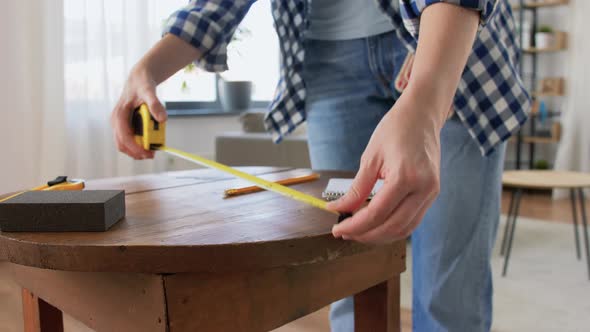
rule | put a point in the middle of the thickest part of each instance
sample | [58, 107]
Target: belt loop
[373, 65]
[379, 68]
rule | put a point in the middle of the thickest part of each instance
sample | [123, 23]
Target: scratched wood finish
[264, 300]
[149, 182]
[102, 301]
[242, 301]
[190, 227]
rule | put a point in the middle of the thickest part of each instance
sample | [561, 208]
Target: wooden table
[185, 259]
[518, 181]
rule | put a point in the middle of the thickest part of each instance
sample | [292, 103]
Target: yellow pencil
[285, 182]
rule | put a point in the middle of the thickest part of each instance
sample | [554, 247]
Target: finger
[381, 206]
[155, 106]
[394, 228]
[361, 187]
[124, 149]
[411, 227]
[431, 192]
[124, 133]
[127, 139]
[131, 148]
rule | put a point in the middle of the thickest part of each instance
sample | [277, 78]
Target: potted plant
[233, 86]
[544, 37]
[234, 95]
[234, 90]
[541, 164]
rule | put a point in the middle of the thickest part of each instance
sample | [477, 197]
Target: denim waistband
[379, 57]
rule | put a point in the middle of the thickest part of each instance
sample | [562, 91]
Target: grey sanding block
[62, 211]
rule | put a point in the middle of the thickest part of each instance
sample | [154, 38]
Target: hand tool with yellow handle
[148, 133]
[151, 135]
[59, 183]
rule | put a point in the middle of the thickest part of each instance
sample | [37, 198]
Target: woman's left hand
[404, 151]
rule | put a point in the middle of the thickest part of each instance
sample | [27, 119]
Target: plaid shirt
[490, 100]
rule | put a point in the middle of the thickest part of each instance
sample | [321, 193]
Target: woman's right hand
[167, 56]
[140, 88]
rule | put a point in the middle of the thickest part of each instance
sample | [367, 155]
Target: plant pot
[527, 35]
[543, 40]
[234, 95]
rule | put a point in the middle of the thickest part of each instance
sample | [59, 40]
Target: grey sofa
[257, 149]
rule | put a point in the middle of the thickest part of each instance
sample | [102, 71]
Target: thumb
[155, 106]
[361, 187]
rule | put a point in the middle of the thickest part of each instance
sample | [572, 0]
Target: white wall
[32, 127]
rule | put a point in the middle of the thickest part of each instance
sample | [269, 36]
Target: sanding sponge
[62, 211]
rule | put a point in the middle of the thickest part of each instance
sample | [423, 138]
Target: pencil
[285, 182]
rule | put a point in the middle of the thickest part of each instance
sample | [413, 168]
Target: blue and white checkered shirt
[490, 100]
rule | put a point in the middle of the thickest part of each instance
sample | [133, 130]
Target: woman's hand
[140, 88]
[169, 55]
[404, 151]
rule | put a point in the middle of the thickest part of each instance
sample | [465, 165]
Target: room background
[64, 63]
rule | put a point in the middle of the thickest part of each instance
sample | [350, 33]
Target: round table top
[545, 179]
[179, 222]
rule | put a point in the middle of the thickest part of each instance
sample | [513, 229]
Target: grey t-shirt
[346, 19]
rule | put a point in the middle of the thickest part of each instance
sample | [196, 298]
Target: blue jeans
[350, 89]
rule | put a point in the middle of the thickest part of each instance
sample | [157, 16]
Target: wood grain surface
[180, 222]
[102, 301]
[263, 300]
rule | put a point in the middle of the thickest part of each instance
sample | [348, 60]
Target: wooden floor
[319, 322]
[537, 206]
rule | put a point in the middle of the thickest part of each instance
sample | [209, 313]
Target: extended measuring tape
[151, 135]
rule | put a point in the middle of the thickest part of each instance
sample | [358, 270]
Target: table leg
[575, 219]
[378, 308]
[511, 232]
[585, 226]
[40, 316]
[508, 221]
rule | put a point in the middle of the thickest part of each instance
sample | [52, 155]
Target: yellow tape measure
[151, 135]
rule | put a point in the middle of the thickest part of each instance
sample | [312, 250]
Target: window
[252, 55]
[103, 39]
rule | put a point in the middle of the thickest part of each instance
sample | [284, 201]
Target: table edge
[180, 259]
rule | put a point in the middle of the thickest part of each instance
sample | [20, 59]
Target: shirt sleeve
[208, 25]
[411, 10]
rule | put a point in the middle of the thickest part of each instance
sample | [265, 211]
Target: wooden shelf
[550, 114]
[534, 139]
[541, 4]
[546, 94]
[539, 140]
[550, 87]
[533, 50]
